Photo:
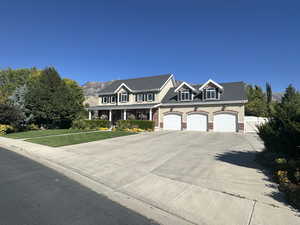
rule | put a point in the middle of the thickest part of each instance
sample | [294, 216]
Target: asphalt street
[32, 194]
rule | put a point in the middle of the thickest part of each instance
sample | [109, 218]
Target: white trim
[204, 103]
[210, 81]
[184, 83]
[121, 86]
[171, 76]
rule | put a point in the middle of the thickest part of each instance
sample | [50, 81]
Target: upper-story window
[105, 99]
[113, 99]
[211, 93]
[108, 99]
[150, 97]
[123, 97]
[185, 95]
[140, 97]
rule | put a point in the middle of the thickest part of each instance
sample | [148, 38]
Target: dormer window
[211, 94]
[185, 95]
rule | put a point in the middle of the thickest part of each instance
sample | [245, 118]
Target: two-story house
[210, 106]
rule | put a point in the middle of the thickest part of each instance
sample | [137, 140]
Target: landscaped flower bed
[287, 174]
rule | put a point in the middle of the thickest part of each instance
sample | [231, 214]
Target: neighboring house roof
[151, 83]
[233, 91]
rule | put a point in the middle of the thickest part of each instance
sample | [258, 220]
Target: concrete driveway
[192, 177]
[204, 178]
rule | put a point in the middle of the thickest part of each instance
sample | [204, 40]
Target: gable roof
[186, 84]
[210, 81]
[233, 91]
[150, 83]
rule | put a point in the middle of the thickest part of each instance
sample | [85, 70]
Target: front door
[116, 115]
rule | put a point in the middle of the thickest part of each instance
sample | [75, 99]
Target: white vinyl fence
[251, 123]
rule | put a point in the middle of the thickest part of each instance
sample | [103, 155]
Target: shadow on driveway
[248, 159]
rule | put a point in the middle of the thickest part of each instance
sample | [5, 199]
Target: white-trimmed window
[140, 97]
[113, 99]
[150, 97]
[211, 93]
[105, 99]
[185, 95]
[123, 97]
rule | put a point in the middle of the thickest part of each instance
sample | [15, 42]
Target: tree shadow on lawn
[249, 159]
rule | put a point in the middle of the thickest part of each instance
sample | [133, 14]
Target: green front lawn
[42, 133]
[57, 141]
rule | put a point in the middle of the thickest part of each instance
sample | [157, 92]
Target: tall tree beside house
[53, 102]
[11, 79]
[282, 132]
[256, 105]
[269, 97]
[77, 94]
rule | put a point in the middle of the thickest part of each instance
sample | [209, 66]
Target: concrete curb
[152, 212]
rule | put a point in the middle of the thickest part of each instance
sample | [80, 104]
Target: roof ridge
[137, 78]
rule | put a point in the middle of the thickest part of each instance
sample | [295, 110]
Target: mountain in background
[277, 96]
[93, 88]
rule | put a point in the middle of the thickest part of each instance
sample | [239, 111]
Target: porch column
[109, 115]
[90, 115]
[124, 114]
[150, 114]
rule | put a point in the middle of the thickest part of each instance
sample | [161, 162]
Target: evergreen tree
[51, 101]
[256, 105]
[269, 97]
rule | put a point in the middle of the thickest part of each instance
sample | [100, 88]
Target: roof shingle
[138, 84]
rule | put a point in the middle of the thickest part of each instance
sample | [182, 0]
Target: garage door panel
[197, 122]
[172, 122]
[225, 122]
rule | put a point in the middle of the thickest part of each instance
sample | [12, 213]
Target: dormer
[185, 92]
[211, 90]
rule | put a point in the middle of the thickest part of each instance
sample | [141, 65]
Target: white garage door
[172, 122]
[197, 122]
[225, 122]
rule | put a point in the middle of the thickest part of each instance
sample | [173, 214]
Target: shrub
[32, 127]
[5, 129]
[11, 115]
[141, 124]
[90, 124]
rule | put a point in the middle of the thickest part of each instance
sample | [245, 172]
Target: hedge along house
[210, 106]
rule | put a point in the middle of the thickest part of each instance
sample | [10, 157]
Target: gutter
[204, 103]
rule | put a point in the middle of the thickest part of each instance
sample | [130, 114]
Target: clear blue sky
[254, 41]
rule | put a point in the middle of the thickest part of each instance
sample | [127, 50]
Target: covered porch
[114, 113]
